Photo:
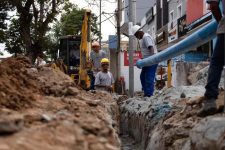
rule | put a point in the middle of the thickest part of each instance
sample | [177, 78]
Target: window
[154, 10]
[179, 11]
[171, 16]
[153, 32]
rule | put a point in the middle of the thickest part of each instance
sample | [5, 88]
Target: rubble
[10, 123]
[169, 121]
[43, 109]
[208, 134]
[55, 114]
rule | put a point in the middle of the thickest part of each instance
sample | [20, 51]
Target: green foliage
[71, 22]
[28, 33]
[4, 7]
[14, 43]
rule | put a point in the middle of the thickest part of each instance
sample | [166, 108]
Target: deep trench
[134, 129]
[140, 123]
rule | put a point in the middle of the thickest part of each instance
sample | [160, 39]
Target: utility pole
[118, 37]
[224, 72]
[132, 21]
[100, 23]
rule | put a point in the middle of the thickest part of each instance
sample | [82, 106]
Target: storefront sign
[172, 31]
[137, 55]
[200, 21]
[181, 23]
[160, 37]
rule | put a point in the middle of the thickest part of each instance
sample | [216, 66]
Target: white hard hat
[95, 43]
[135, 28]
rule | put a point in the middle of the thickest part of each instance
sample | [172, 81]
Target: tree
[14, 43]
[34, 18]
[4, 7]
[28, 32]
[71, 22]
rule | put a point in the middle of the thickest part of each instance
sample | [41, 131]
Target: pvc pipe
[196, 39]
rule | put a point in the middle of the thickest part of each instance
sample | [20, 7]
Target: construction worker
[216, 63]
[96, 56]
[40, 61]
[104, 79]
[148, 48]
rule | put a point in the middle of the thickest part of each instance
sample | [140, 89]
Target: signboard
[198, 22]
[181, 23]
[160, 37]
[137, 55]
[113, 42]
[172, 31]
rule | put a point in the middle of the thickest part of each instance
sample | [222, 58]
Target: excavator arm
[85, 48]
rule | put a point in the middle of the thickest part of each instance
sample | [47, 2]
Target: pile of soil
[17, 85]
[20, 83]
[42, 108]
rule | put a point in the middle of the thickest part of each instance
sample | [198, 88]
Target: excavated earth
[43, 109]
[169, 121]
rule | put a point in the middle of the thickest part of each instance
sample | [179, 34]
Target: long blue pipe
[196, 39]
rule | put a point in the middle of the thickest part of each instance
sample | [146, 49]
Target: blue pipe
[196, 39]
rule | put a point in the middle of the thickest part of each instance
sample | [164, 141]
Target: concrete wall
[173, 6]
[113, 64]
[195, 10]
[142, 6]
[150, 27]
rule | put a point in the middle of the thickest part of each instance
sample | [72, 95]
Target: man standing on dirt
[104, 80]
[216, 63]
[96, 56]
[148, 48]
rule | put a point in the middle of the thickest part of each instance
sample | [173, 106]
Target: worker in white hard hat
[148, 48]
[104, 79]
[96, 56]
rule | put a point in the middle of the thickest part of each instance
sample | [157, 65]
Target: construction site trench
[42, 108]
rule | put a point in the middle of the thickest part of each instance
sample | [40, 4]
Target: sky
[108, 6]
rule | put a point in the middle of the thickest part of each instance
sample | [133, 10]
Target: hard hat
[105, 60]
[95, 43]
[135, 28]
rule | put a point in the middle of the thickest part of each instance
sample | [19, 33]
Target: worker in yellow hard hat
[104, 79]
[96, 56]
[105, 61]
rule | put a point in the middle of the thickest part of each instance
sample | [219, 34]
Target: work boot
[208, 108]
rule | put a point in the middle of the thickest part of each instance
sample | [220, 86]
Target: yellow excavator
[74, 50]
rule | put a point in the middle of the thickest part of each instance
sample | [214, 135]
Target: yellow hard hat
[105, 60]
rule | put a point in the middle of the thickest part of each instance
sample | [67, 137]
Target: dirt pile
[17, 85]
[43, 109]
[20, 83]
